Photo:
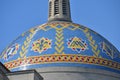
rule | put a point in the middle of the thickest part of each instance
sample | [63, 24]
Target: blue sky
[18, 16]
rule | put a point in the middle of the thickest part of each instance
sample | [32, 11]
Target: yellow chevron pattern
[26, 43]
[49, 26]
[92, 43]
[59, 41]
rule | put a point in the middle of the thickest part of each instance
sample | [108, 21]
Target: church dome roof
[60, 43]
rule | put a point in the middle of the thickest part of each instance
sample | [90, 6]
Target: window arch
[50, 7]
[64, 6]
[56, 8]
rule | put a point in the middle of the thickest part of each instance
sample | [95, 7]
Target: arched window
[50, 7]
[56, 8]
[64, 6]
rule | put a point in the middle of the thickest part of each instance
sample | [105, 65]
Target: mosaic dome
[59, 43]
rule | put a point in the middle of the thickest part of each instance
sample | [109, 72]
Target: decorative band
[47, 59]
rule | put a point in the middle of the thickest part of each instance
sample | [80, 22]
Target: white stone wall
[72, 73]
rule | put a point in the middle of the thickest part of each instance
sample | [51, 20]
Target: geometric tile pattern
[26, 43]
[95, 49]
[63, 58]
[62, 42]
[59, 41]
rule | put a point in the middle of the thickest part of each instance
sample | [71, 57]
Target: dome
[61, 43]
